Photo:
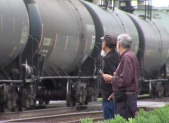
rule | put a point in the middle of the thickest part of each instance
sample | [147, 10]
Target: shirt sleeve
[124, 79]
[110, 67]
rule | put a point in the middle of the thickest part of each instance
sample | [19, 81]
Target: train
[50, 50]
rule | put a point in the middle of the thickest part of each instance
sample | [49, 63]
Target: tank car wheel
[151, 90]
[5, 109]
[87, 101]
[15, 109]
[83, 103]
[47, 102]
[32, 107]
[23, 108]
[69, 98]
[41, 102]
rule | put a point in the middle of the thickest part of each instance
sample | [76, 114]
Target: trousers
[108, 109]
[128, 107]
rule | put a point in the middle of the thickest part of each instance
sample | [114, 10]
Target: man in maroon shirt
[125, 79]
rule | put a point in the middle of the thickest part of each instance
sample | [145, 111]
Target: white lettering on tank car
[46, 41]
[43, 51]
[24, 34]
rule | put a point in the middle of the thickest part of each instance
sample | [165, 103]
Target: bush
[86, 120]
[158, 115]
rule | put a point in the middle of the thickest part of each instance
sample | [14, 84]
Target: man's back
[111, 62]
[127, 73]
[135, 63]
[131, 57]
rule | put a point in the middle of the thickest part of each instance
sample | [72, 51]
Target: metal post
[32, 48]
[150, 9]
[113, 4]
[145, 9]
[38, 64]
[19, 66]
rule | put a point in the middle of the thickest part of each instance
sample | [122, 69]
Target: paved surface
[152, 103]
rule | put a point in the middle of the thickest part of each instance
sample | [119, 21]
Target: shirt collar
[124, 53]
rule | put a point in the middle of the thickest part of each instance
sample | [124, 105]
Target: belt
[130, 92]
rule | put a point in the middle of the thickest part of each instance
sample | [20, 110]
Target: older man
[125, 79]
[111, 60]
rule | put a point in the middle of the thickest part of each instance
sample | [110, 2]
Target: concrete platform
[153, 103]
[145, 103]
[150, 104]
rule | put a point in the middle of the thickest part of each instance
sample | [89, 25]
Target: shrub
[158, 115]
[87, 120]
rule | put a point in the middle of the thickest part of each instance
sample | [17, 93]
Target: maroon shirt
[127, 73]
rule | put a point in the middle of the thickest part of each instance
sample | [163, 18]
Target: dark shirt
[127, 73]
[111, 61]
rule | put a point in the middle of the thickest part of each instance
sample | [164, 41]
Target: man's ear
[104, 45]
[119, 45]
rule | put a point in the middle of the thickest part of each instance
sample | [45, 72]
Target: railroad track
[47, 112]
[68, 118]
[52, 112]
[75, 117]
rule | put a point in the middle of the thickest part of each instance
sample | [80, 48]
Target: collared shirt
[111, 61]
[127, 73]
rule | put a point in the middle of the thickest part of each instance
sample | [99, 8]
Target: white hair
[125, 40]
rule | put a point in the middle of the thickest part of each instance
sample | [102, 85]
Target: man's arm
[111, 96]
[126, 76]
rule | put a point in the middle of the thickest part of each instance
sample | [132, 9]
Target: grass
[99, 99]
[144, 95]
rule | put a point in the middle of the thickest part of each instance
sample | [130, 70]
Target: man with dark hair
[125, 80]
[111, 60]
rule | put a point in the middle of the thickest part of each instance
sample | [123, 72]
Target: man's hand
[107, 78]
[111, 96]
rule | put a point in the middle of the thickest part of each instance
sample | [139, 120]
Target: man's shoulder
[129, 55]
[130, 52]
[112, 54]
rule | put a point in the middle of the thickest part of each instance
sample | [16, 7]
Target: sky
[160, 3]
[157, 3]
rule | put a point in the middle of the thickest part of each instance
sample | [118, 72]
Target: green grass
[144, 95]
[99, 99]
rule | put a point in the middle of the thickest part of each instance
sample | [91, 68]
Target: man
[125, 78]
[111, 60]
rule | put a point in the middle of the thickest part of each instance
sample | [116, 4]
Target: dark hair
[112, 46]
[110, 41]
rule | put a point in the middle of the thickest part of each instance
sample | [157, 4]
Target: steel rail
[36, 113]
[60, 118]
[47, 112]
